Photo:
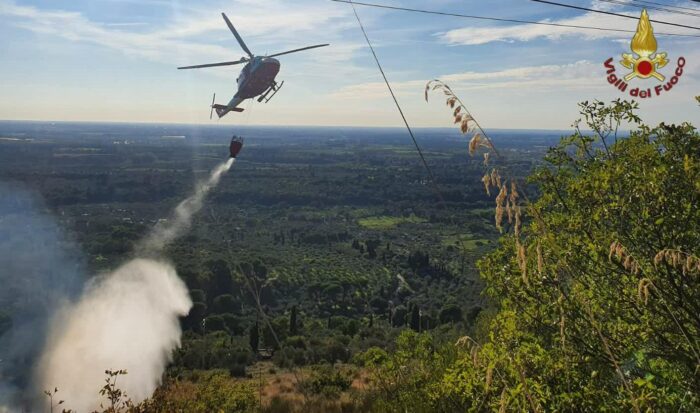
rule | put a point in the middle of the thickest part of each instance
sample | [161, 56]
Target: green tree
[226, 303]
[221, 281]
[398, 316]
[597, 296]
[215, 323]
[450, 313]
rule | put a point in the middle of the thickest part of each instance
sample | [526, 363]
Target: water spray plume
[167, 232]
[126, 319]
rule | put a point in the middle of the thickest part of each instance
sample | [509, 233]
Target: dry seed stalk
[502, 401]
[487, 183]
[687, 263]
[643, 290]
[522, 261]
[628, 262]
[500, 200]
[489, 377]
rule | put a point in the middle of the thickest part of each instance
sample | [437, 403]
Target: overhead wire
[434, 185]
[505, 20]
[398, 106]
[650, 7]
[610, 13]
[665, 5]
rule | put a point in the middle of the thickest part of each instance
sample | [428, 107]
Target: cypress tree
[254, 337]
[293, 321]
[415, 318]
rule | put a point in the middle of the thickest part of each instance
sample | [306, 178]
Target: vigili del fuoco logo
[645, 63]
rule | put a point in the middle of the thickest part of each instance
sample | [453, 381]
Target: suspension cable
[665, 5]
[651, 7]
[398, 106]
[571, 6]
[506, 20]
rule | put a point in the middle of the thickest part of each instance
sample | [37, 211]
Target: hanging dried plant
[613, 248]
[522, 261]
[495, 178]
[620, 253]
[643, 290]
[500, 201]
[487, 183]
[513, 192]
[464, 125]
[506, 202]
[474, 143]
[503, 401]
[489, 378]
[470, 344]
[562, 319]
[687, 263]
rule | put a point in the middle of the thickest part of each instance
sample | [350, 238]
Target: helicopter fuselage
[257, 76]
[256, 79]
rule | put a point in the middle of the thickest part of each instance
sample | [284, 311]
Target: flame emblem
[644, 46]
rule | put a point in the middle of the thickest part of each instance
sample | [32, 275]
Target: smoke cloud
[123, 319]
[40, 270]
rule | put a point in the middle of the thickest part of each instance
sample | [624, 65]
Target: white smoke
[40, 269]
[126, 319]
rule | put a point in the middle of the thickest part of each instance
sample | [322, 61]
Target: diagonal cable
[505, 20]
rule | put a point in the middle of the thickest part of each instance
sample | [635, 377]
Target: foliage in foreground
[204, 392]
[597, 298]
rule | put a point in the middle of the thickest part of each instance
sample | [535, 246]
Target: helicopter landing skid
[274, 88]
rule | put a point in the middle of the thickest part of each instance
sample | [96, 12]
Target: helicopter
[257, 77]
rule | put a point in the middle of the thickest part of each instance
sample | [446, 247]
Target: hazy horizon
[450, 129]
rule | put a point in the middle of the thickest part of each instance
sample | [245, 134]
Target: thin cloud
[581, 74]
[183, 40]
[529, 32]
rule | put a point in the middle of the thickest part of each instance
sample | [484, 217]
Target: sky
[115, 60]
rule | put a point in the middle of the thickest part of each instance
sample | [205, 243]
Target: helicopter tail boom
[222, 110]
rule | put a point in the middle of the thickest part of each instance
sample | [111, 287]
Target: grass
[384, 222]
[467, 240]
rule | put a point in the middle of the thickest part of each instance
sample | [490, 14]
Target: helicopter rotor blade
[238, 36]
[211, 112]
[299, 50]
[244, 60]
